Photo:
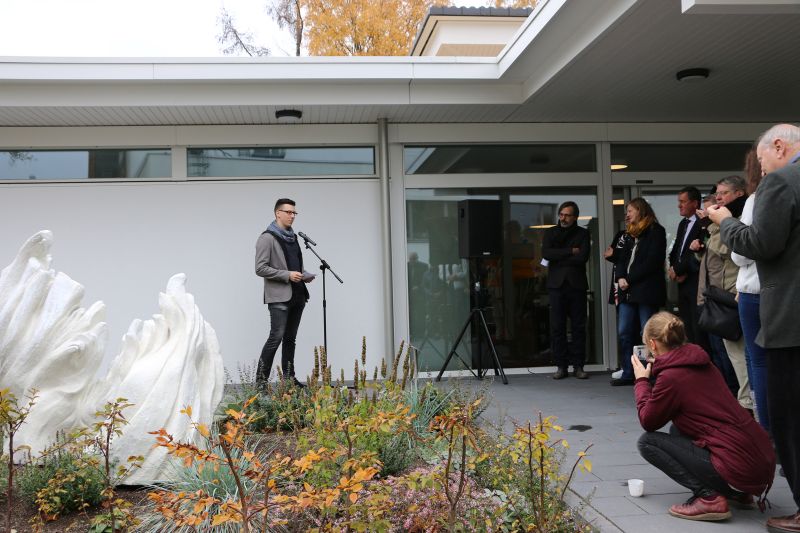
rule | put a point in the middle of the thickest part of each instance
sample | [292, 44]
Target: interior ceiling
[626, 75]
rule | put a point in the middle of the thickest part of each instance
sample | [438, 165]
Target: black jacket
[684, 261]
[648, 284]
[619, 243]
[564, 266]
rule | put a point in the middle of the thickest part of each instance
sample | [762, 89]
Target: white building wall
[123, 241]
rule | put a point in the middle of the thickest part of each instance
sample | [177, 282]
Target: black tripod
[323, 266]
[477, 318]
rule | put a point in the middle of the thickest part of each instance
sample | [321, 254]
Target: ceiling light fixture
[288, 116]
[692, 74]
[618, 166]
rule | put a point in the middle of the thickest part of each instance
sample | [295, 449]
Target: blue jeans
[749, 306]
[284, 320]
[630, 322]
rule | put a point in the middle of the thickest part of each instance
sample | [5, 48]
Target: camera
[640, 351]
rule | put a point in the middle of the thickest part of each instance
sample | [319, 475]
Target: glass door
[513, 282]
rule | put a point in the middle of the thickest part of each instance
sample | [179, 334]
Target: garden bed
[385, 454]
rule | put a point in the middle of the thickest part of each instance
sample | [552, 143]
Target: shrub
[60, 484]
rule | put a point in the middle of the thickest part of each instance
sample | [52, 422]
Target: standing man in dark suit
[566, 248]
[683, 264]
[773, 241]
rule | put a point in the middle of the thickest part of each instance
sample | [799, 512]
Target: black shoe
[580, 373]
[621, 382]
[561, 373]
[291, 380]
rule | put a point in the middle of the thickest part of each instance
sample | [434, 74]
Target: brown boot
[707, 508]
[781, 524]
[580, 373]
[561, 373]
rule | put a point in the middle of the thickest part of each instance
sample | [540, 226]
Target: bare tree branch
[236, 41]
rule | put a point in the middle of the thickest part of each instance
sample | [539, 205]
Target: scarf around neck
[285, 234]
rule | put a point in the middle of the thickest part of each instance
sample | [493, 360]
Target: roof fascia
[554, 35]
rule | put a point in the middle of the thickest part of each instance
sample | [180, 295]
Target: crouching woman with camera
[714, 447]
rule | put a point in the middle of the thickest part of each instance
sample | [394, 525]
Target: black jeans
[568, 302]
[284, 319]
[783, 403]
[688, 465]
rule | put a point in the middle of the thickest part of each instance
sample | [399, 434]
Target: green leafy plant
[12, 415]
[60, 481]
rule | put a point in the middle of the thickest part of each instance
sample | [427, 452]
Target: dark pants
[783, 397]
[568, 302]
[687, 309]
[284, 319]
[719, 356]
[631, 319]
[687, 464]
[749, 309]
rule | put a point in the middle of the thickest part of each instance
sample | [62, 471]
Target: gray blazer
[773, 241]
[271, 265]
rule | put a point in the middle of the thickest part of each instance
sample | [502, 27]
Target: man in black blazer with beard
[565, 246]
[683, 264]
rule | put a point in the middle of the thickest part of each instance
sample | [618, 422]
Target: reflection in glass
[281, 161]
[677, 157]
[513, 285]
[85, 164]
[496, 158]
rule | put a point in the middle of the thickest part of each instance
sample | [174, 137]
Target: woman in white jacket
[749, 289]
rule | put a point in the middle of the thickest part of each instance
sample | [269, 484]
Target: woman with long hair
[714, 448]
[640, 277]
[748, 288]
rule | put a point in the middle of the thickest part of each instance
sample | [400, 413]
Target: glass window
[85, 164]
[281, 161]
[513, 281]
[678, 157]
[497, 158]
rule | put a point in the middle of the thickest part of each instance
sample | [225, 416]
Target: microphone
[306, 237]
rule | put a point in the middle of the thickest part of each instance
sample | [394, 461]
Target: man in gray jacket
[773, 241]
[279, 261]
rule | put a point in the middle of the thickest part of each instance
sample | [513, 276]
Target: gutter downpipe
[386, 237]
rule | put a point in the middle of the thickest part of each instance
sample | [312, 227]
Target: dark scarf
[285, 234]
[563, 235]
[737, 206]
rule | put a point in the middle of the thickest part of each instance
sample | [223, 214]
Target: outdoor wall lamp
[288, 116]
[692, 74]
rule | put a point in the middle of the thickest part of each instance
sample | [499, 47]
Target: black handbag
[720, 314]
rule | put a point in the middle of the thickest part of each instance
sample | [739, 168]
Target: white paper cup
[636, 487]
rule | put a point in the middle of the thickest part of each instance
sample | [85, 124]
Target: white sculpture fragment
[49, 342]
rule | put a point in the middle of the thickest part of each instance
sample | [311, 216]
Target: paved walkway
[606, 416]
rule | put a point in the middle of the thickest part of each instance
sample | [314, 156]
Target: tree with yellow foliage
[363, 27]
[338, 27]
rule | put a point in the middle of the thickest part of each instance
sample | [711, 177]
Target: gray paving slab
[593, 412]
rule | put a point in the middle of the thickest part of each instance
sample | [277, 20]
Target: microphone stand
[323, 266]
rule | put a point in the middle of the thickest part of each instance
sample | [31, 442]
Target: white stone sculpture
[49, 342]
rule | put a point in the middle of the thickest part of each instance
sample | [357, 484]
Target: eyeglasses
[290, 213]
[565, 215]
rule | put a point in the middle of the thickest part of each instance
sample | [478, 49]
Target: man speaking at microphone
[279, 260]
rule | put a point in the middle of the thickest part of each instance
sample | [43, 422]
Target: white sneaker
[617, 374]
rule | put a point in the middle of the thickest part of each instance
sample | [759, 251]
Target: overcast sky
[134, 28]
[130, 28]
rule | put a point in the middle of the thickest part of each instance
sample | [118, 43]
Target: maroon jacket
[690, 392]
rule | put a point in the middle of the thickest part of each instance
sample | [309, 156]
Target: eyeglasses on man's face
[566, 215]
[290, 213]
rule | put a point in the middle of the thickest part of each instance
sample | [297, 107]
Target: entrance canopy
[571, 61]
